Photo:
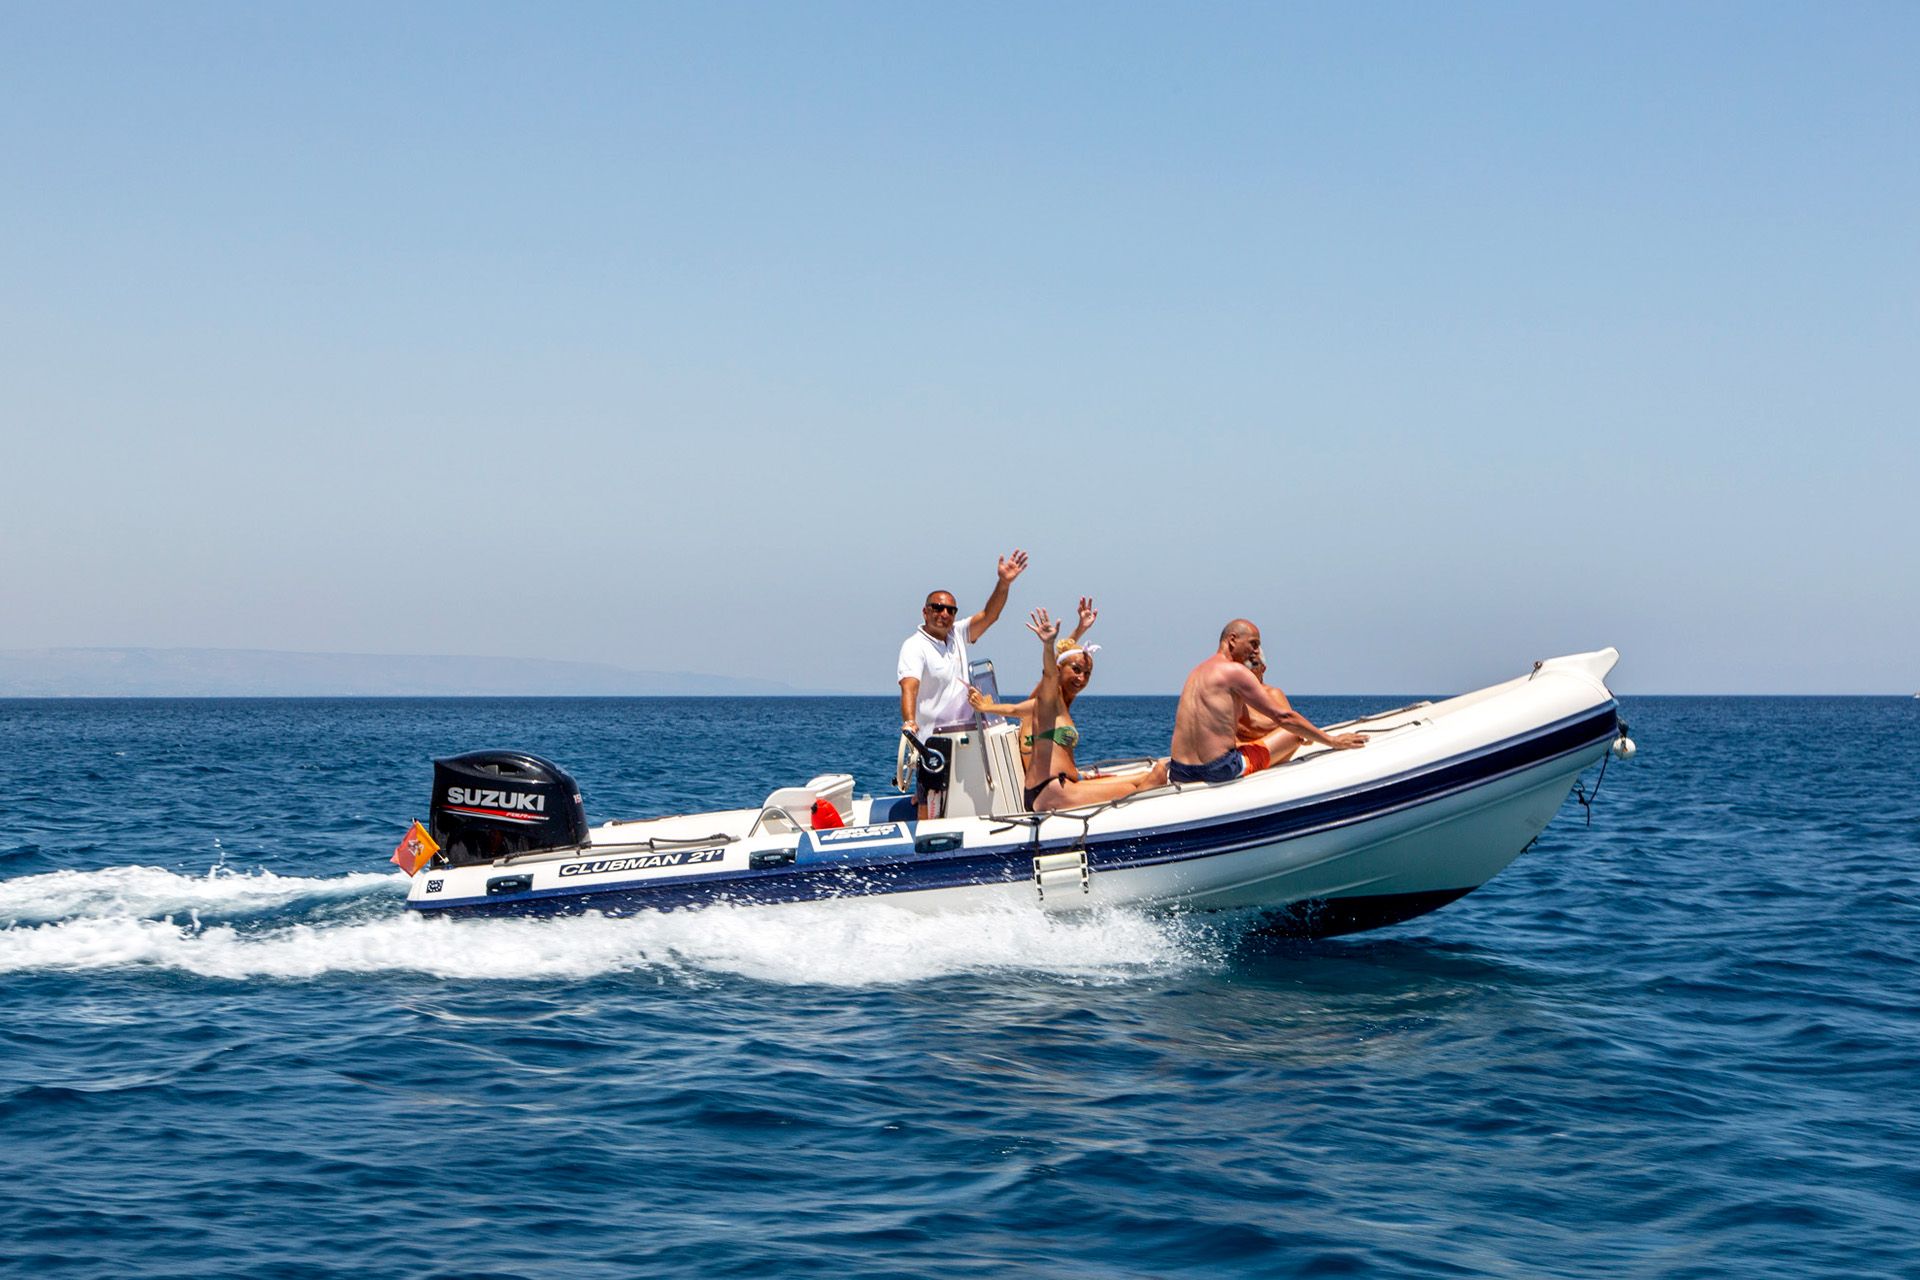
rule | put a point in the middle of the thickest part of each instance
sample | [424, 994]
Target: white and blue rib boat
[1443, 797]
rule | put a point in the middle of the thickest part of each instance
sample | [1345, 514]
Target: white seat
[835, 788]
[795, 800]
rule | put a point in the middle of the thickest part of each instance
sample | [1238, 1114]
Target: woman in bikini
[1053, 781]
[1023, 710]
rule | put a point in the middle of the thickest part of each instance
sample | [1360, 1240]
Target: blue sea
[1681, 1039]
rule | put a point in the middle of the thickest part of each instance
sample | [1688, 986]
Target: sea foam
[286, 927]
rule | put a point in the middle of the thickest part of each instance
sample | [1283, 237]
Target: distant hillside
[263, 673]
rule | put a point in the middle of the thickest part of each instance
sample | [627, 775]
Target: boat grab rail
[779, 816]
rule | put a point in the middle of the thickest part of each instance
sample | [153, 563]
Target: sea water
[1681, 1039]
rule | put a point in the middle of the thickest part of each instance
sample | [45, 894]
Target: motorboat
[1443, 796]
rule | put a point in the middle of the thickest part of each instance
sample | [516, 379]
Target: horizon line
[784, 697]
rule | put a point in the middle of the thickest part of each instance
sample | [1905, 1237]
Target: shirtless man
[1218, 693]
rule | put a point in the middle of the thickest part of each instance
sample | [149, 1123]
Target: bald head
[1238, 639]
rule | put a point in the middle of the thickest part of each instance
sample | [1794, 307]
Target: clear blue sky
[1436, 338]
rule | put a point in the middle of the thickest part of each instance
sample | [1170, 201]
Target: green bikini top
[1063, 734]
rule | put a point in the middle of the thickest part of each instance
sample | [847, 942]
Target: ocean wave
[120, 892]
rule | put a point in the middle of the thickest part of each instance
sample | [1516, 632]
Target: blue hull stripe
[1146, 846]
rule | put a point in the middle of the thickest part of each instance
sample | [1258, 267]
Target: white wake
[147, 917]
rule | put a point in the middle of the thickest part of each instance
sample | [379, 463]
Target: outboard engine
[490, 804]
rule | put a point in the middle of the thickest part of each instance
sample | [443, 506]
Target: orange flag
[414, 849]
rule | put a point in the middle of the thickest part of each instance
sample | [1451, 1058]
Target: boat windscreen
[980, 676]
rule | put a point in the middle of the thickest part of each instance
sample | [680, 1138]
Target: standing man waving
[933, 661]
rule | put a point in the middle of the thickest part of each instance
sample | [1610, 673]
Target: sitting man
[1218, 692]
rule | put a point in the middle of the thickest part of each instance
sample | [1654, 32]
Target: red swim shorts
[1256, 756]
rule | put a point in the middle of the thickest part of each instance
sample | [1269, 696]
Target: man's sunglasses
[944, 608]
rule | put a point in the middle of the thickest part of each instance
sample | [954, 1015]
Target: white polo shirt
[941, 670]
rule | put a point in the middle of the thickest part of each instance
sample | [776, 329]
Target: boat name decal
[482, 799]
[851, 835]
[641, 862]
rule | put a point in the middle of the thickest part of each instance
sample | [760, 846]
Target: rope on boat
[1384, 715]
[1580, 792]
[1008, 821]
[1586, 798]
[1083, 814]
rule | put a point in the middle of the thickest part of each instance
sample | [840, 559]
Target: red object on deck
[825, 815]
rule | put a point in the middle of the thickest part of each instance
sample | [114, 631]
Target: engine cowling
[492, 804]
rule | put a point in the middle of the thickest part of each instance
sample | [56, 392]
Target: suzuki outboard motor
[490, 804]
